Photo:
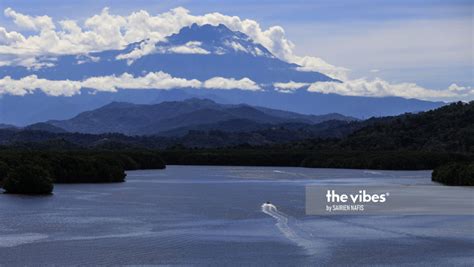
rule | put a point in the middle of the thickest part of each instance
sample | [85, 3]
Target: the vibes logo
[361, 197]
[357, 199]
[352, 201]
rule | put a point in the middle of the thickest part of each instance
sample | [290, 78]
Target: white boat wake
[290, 230]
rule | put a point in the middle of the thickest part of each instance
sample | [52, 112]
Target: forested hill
[446, 129]
[449, 128]
[408, 142]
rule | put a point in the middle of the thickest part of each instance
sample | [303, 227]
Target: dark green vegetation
[268, 135]
[28, 179]
[3, 172]
[425, 140]
[449, 128]
[388, 160]
[408, 142]
[31, 171]
[454, 174]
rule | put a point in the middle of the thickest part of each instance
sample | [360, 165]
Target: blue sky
[426, 42]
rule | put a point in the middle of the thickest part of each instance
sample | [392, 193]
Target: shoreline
[286, 166]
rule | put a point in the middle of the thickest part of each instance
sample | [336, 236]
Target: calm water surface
[212, 216]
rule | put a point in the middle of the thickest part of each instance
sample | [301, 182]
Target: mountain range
[196, 52]
[175, 118]
[447, 129]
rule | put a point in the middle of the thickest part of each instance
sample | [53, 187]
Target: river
[209, 215]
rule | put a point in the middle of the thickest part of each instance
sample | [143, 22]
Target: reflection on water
[214, 215]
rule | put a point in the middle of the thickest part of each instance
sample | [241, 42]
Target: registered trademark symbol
[388, 194]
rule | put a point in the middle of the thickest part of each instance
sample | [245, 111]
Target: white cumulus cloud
[112, 83]
[381, 88]
[192, 47]
[27, 22]
[289, 87]
[9, 38]
[231, 83]
[461, 89]
[153, 80]
[145, 48]
[308, 63]
[30, 83]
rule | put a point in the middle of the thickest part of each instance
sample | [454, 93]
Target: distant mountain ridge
[7, 126]
[447, 129]
[190, 114]
[44, 127]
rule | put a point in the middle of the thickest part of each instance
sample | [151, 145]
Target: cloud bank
[381, 88]
[224, 83]
[164, 81]
[153, 80]
[289, 87]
